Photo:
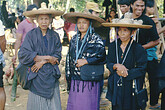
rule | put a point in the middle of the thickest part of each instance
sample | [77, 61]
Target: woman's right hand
[121, 70]
[37, 66]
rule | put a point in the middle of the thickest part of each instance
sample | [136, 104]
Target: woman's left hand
[81, 62]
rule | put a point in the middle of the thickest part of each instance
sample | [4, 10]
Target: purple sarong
[84, 95]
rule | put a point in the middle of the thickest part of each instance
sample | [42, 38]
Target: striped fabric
[36, 102]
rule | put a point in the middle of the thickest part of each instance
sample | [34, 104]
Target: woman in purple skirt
[86, 48]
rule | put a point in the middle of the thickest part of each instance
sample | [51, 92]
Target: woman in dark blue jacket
[126, 61]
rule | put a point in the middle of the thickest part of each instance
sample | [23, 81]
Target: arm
[26, 53]
[151, 44]
[140, 64]
[3, 43]
[161, 30]
[97, 52]
[17, 46]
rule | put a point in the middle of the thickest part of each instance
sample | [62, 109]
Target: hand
[53, 60]
[37, 66]
[14, 59]
[122, 73]
[121, 70]
[81, 62]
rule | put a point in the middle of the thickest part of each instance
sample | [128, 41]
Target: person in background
[18, 20]
[124, 6]
[41, 52]
[2, 64]
[112, 15]
[161, 78]
[150, 7]
[148, 38]
[70, 27]
[23, 28]
[58, 25]
[84, 95]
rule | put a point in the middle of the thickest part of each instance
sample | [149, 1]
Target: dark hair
[129, 28]
[20, 18]
[30, 7]
[133, 1]
[72, 10]
[150, 3]
[124, 2]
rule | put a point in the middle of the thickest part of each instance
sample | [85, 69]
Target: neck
[124, 43]
[43, 32]
[135, 16]
[82, 35]
[30, 20]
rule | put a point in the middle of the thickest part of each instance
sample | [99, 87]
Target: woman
[41, 52]
[126, 61]
[86, 48]
[161, 76]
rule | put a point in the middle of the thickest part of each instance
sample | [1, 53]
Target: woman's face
[82, 25]
[124, 34]
[43, 21]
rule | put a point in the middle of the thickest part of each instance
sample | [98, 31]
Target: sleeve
[2, 32]
[140, 63]
[98, 54]
[26, 53]
[20, 29]
[153, 32]
[67, 70]
[110, 58]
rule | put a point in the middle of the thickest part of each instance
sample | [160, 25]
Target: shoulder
[147, 20]
[138, 47]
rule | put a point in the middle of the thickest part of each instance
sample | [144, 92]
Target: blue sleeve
[26, 53]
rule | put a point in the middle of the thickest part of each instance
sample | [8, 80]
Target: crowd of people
[132, 54]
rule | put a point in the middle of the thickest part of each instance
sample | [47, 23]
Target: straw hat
[127, 21]
[93, 6]
[72, 17]
[43, 10]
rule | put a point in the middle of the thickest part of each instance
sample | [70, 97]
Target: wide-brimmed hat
[93, 6]
[72, 17]
[43, 10]
[127, 21]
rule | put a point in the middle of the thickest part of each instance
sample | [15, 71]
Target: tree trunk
[67, 5]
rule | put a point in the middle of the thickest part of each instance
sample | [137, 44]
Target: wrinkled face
[150, 10]
[138, 8]
[124, 8]
[124, 34]
[82, 25]
[43, 21]
[95, 13]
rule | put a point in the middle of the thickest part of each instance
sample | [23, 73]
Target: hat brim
[72, 17]
[127, 25]
[33, 13]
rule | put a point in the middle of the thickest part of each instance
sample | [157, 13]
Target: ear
[133, 33]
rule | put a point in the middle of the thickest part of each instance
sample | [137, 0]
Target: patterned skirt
[84, 95]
